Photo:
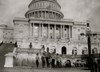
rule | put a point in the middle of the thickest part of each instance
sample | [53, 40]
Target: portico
[49, 30]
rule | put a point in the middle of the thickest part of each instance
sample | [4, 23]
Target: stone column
[33, 30]
[45, 15]
[34, 14]
[61, 31]
[54, 15]
[69, 32]
[41, 14]
[54, 31]
[48, 31]
[40, 31]
[30, 33]
[37, 14]
[30, 14]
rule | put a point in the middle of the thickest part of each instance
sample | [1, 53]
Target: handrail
[96, 61]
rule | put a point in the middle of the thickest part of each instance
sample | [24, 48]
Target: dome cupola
[47, 9]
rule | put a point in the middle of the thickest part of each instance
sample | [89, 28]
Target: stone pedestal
[9, 60]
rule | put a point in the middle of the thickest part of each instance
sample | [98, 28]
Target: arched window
[54, 50]
[84, 51]
[94, 51]
[74, 51]
[63, 50]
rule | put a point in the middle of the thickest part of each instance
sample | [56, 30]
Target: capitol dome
[47, 9]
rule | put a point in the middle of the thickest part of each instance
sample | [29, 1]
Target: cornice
[65, 22]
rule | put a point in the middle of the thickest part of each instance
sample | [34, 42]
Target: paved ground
[23, 69]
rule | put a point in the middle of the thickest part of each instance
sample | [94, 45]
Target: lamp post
[88, 35]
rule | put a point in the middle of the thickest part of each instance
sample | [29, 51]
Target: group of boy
[51, 60]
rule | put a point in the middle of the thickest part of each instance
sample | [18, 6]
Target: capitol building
[45, 29]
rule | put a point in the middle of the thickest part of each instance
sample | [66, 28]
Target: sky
[78, 10]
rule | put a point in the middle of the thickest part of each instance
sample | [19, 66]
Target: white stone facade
[44, 24]
[51, 34]
[6, 34]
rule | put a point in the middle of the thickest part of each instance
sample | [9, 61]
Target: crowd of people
[52, 60]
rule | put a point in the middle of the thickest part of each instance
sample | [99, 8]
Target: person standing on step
[48, 59]
[53, 60]
[43, 60]
[37, 60]
[58, 60]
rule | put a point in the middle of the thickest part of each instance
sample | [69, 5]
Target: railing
[96, 66]
[24, 50]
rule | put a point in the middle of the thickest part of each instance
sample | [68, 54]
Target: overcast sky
[79, 10]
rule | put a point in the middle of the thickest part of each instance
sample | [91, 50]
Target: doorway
[63, 50]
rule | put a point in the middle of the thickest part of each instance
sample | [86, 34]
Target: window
[57, 28]
[74, 51]
[45, 35]
[51, 28]
[84, 51]
[54, 50]
[51, 36]
[94, 51]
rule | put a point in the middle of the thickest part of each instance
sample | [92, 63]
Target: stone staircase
[4, 49]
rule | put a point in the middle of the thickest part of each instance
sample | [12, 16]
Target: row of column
[44, 14]
[40, 31]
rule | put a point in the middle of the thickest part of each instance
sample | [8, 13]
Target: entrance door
[64, 50]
